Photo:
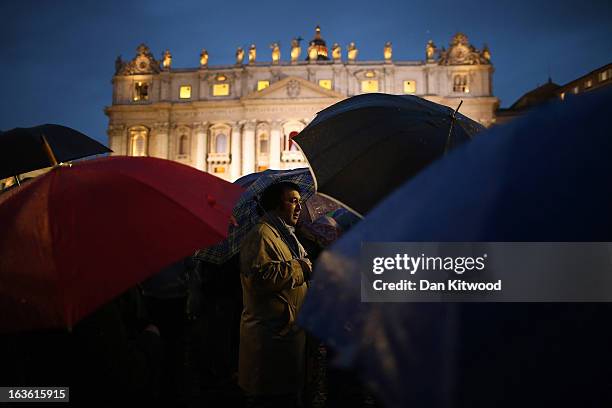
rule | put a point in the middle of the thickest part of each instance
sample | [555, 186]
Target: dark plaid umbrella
[27, 149]
[545, 177]
[364, 147]
[246, 212]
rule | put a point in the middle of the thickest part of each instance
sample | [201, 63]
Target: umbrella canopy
[545, 177]
[316, 206]
[246, 212]
[77, 236]
[364, 147]
[23, 149]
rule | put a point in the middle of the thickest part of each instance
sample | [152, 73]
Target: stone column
[171, 146]
[248, 147]
[275, 144]
[117, 139]
[235, 153]
[158, 140]
[200, 130]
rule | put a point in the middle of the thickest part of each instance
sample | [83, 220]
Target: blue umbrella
[544, 177]
[246, 210]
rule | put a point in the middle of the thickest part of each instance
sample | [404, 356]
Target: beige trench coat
[272, 351]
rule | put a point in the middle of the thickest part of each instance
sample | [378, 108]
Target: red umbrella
[76, 237]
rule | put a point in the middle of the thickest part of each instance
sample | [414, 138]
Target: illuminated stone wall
[237, 119]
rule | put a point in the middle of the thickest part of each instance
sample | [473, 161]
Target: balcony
[218, 158]
[292, 156]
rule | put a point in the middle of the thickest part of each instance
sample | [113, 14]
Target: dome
[319, 44]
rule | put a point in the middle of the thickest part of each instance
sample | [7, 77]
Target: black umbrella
[364, 147]
[27, 149]
[545, 177]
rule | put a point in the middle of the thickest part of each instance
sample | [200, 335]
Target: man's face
[290, 207]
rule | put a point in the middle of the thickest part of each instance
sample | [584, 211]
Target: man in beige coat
[274, 275]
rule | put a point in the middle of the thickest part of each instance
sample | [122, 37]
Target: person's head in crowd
[284, 200]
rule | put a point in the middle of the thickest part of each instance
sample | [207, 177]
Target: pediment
[292, 88]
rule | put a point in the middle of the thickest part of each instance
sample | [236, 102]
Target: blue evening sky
[58, 56]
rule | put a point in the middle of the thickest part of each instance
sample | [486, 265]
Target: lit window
[576, 89]
[220, 89]
[460, 83]
[409, 87]
[370, 74]
[562, 96]
[588, 83]
[185, 92]
[263, 144]
[325, 83]
[263, 150]
[138, 142]
[141, 91]
[603, 76]
[369, 86]
[262, 85]
[221, 77]
[219, 169]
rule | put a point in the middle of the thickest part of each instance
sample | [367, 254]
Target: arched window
[221, 143]
[292, 146]
[263, 150]
[138, 141]
[263, 144]
[183, 145]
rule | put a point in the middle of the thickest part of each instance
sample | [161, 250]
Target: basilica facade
[237, 119]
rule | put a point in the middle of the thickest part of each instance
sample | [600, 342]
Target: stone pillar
[158, 140]
[117, 139]
[248, 147]
[200, 130]
[171, 146]
[275, 145]
[235, 153]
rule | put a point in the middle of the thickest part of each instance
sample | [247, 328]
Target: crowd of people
[198, 333]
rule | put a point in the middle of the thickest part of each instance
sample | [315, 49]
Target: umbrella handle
[450, 130]
[49, 152]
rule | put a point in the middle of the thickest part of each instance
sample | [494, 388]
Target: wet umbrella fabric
[78, 236]
[246, 213]
[545, 177]
[363, 148]
[23, 149]
[316, 206]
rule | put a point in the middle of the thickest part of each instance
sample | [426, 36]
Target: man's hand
[306, 268]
